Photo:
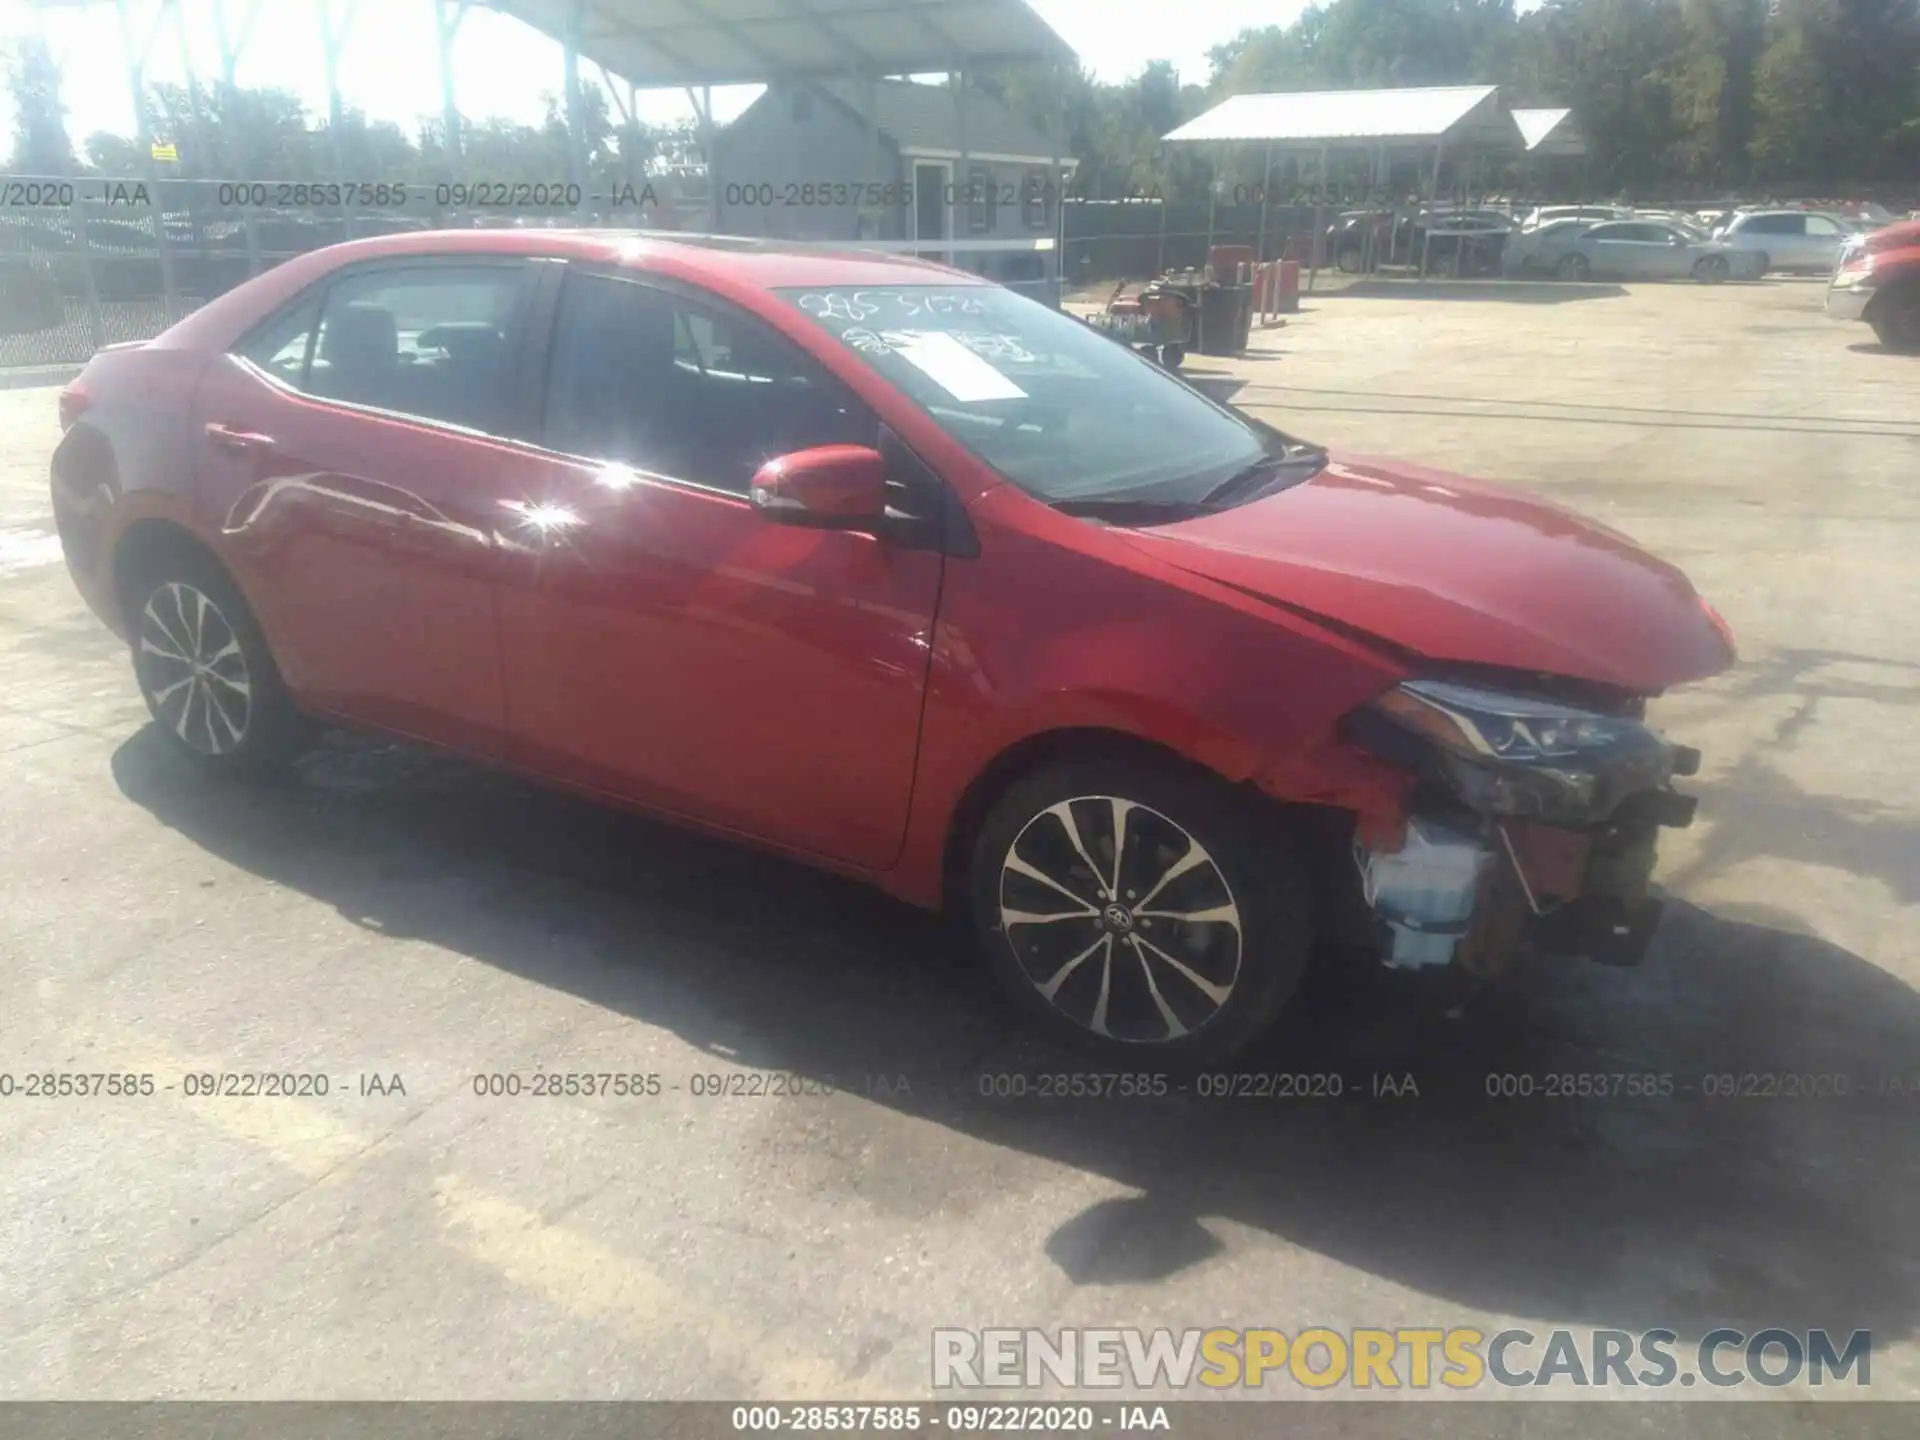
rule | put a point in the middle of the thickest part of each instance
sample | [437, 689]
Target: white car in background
[1787, 239]
[1593, 214]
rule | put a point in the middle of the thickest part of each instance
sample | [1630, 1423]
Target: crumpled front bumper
[1470, 890]
[1848, 302]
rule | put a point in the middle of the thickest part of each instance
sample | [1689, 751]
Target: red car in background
[888, 569]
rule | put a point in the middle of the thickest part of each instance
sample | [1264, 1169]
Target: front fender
[1063, 627]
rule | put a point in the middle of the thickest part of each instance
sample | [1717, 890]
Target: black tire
[1573, 267]
[229, 714]
[1114, 993]
[1171, 356]
[1711, 269]
[1896, 319]
[1347, 259]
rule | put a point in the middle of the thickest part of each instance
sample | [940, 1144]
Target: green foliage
[228, 132]
[1702, 94]
[1707, 94]
[40, 143]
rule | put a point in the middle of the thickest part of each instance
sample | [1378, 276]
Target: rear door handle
[238, 442]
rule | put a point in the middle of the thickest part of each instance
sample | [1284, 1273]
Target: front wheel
[204, 669]
[1896, 319]
[1143, 913]
[1171, 355]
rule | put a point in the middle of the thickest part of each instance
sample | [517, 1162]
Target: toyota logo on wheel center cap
[1118, 919]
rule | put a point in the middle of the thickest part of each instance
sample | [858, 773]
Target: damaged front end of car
[1529, 818]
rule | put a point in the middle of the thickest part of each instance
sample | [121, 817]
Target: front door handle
[238, 442]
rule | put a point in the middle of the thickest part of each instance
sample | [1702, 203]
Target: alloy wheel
[192, 667]
[1120, 919]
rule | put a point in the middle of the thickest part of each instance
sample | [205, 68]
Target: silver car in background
[1538, 251]
[1652, 250]
[1787, 239]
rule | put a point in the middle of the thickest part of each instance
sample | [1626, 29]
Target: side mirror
[830, 487]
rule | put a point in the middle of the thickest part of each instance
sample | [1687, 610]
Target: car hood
[1456, 570]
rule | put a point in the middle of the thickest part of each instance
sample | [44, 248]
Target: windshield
[1058, 408]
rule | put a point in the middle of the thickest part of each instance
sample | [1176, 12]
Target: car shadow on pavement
[1485, 1175]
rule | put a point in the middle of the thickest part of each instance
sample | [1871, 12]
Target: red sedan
[870, 562]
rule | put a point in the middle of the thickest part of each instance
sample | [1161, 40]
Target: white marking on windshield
[954, 368]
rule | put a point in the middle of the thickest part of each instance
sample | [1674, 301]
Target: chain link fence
[94, 262]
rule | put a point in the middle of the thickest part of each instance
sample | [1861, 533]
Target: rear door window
[284, 344]
[432, 341]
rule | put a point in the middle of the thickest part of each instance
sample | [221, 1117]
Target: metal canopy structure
[1458, 116]
[748, 42]
[1470, 122]
[1550, 132]
[646, 44]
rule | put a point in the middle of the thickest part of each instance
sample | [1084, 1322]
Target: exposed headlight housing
[1519, 755]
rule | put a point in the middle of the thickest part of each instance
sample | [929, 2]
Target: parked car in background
[1538, 251]
[1464, 242]
[1646, 250]
[1459, 242]
[1877, 279]
[1548, 214]
[1786, 239]
[885, 568]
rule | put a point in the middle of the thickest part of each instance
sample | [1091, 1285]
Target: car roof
[730, 265]
[763, 263]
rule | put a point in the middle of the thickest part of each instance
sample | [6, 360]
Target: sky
[390, 69]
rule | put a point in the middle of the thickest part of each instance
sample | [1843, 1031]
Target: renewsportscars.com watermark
[1457, 1358]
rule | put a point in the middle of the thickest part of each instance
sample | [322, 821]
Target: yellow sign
[165, 151]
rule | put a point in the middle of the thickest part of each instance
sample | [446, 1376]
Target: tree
[40, 143]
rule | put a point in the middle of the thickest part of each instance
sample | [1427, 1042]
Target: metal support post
[332, 42]
[709, 148]
[231, 45]
[899, 183]
[1260, 234]
[1319, 225]
[447, 15]
[136, 58]
[576, 109]
[1054, 202]
[958, 79]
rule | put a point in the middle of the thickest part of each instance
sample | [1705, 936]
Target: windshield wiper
[1266, 475]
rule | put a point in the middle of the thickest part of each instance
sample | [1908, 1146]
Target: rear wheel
[1896, 319]
[1138, 911]
[1347, 260]
[1573, 267]
[204, 669]
[1711, 269]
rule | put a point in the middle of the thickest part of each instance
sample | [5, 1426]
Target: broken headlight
[1503, 754]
